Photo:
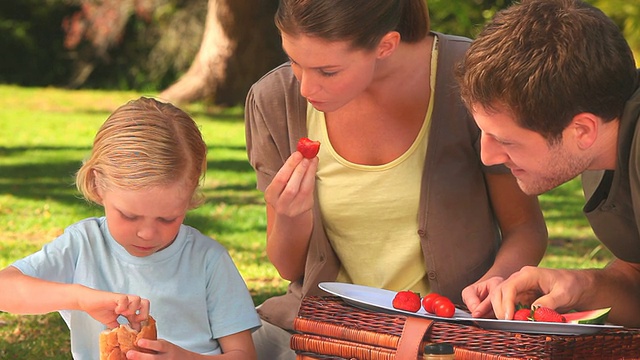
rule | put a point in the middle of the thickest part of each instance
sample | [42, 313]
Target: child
[145, 168]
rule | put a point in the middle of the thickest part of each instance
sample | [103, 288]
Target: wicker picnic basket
[328, 328]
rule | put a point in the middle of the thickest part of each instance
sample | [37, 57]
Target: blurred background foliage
[145, 45]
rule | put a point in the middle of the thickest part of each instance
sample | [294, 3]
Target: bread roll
[115, 343]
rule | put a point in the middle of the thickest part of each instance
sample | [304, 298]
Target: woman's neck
[402, 79]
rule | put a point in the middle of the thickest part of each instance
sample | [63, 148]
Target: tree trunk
[240, 43]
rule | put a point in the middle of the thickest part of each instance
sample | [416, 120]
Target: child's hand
[238, 346]
[106, 307]
[162, 348]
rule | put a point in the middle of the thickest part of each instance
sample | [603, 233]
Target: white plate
[371, 298]
[537, 327]
[375, 299]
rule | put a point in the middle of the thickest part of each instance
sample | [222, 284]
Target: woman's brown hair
[363, 22]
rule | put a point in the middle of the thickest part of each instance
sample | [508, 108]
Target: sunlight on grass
[21, 337]
[572, 243]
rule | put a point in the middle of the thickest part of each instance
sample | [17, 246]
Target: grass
[44, 135]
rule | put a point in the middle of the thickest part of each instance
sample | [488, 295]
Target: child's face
[145, 221]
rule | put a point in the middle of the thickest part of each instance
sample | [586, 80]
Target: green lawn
[44, 135]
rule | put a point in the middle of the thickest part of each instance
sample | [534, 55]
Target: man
[553, 86]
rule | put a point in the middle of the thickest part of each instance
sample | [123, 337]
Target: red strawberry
[427, 302]
[444, 307]
[309, 148]
[407, 300]
[541, 313]
[522, 315]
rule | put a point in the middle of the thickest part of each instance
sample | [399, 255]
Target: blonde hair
[145, 143]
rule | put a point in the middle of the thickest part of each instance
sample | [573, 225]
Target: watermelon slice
[598, 316]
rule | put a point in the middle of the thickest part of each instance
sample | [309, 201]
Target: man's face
[537, 166]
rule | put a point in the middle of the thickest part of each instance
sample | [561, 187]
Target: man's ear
[388, 44]
[584, 128]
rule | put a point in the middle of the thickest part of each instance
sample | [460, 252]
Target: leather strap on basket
[412, 334]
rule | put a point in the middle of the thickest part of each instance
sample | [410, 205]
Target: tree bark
[240, 43]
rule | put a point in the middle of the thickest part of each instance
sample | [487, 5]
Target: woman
[397, 197]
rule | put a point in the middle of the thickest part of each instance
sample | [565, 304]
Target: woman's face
[331, 74]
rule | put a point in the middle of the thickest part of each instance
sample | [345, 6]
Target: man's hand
[553, 288]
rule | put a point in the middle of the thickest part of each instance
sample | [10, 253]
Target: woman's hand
[290, 199]
[291, 190]
[524, 239]
[477, 296]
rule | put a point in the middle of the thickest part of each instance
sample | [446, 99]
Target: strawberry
[522, 315]
[407, 300]
[427, 302]
[541, 313]
[309, 148]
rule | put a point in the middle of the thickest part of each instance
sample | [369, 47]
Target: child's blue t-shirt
[196, 293]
